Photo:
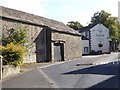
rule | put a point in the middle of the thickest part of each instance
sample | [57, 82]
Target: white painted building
[95, 38]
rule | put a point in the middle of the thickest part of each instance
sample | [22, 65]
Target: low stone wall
[9, 70]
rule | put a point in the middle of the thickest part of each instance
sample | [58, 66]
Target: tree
[74, 25]
[13, 46]
[16, 36]
[100, 17]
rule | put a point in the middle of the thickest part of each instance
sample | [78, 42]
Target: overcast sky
[64, 10]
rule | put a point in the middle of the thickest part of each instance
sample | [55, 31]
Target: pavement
[33, 75]
[29, 66]
[114, 57]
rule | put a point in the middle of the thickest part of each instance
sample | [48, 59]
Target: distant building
[51, 40]
[95, 38]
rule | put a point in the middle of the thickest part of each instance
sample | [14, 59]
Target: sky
[64, 10]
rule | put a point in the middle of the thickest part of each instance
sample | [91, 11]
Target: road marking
[105, 62]
[47, 78]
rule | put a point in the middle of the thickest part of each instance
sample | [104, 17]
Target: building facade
[49, 40]
[95, 38]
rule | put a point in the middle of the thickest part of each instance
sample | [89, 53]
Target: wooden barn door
[58, 52]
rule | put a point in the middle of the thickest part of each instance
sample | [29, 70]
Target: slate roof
[87, 28]
[20, 15]
[84, 38]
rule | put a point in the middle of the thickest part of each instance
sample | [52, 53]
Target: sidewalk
[27, 67]
[113, 57]
[30, 77]
[30, 66]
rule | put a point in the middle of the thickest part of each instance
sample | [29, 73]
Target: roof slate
[87, 28]
[20, 15]
[84, 38]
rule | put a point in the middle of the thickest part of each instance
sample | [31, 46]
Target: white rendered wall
[99, 34]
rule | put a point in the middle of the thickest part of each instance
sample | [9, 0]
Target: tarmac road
[71, 75]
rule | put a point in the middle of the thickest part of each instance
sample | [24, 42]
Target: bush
[13, 54]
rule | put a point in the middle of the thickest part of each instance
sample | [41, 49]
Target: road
[79, 73]
[71, 75]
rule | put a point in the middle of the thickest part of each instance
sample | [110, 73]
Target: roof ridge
[21, 15]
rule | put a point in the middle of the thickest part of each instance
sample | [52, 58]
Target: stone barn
[50, 40]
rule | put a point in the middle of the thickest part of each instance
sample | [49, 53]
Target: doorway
[58, 52]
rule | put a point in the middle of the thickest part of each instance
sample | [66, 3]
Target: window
[86, 49]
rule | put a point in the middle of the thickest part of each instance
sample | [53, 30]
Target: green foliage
[15, 36]
[13, 46]
[100, 17]
[13, 54]
[75, 25]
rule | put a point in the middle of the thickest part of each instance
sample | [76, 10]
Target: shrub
[13, 54]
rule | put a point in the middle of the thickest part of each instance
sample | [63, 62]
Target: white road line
[105, 62]
[47, 78]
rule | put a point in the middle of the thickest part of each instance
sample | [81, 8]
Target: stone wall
[72, 45]
[34, 37]
[8, 70]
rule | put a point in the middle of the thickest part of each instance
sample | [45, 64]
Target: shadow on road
[107, 84]
[105, 69]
